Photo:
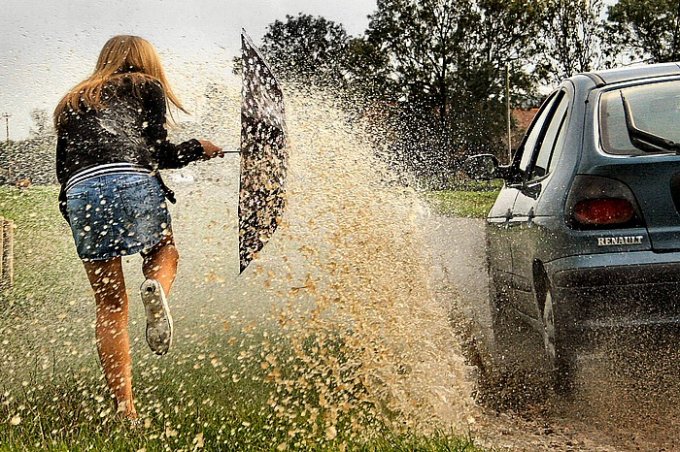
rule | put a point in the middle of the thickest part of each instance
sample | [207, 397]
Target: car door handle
[531, 214]
[508, 217]
[530, 217]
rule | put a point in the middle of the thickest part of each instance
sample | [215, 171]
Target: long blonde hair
[121, 56]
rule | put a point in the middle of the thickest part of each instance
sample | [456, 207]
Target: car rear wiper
[642, 139]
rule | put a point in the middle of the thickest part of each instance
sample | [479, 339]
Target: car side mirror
[484, 167]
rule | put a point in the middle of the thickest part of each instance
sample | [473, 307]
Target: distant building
[523, 117]
[521, 120]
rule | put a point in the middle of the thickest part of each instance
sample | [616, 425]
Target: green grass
[217, 402]
[463, 203]
[42, 248]
[210, 393]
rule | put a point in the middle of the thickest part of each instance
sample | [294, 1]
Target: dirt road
[628, 396]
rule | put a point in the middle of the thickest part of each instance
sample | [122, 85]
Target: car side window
[534, 134]
[549, 150]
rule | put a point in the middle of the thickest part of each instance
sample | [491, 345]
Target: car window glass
[655, 108]
[549, 142]
[535, 132]
[559, 144]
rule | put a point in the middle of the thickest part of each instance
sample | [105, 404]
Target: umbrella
[264, 156]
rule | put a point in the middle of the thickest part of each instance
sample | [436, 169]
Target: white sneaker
[158, 319]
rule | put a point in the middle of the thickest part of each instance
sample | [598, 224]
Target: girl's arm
[167, 154]
[61, 174]
[61, 158]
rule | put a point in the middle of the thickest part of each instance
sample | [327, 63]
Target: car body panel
[498, 221]
[618, 290]
[528, 231]
[654, 179]
[634, 73]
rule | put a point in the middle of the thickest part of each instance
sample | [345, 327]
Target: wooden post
[7, 277]
[508, 112]
[2, 254]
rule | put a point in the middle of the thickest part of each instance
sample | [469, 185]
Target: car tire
[525, 369]
[559, 350]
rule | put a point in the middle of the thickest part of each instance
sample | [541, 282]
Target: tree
[439, 47]
[445, 72]
[41, 126]
[646, 29]
[32, 158]
[307, 48]
[574, 35]
[368, 74]
[503, 34]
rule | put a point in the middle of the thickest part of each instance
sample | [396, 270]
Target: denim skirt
[117, 215]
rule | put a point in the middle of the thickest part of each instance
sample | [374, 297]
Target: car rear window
[655, 108]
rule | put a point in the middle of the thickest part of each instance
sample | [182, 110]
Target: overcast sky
[47, 46]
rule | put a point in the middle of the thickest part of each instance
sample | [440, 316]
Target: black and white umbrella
[264, 156]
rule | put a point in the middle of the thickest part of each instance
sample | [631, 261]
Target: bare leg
[111, 330]
[161, 263]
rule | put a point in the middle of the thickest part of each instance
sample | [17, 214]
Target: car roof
[630, 73]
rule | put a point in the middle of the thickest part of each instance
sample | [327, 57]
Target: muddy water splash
[368, 339]
[337, 315]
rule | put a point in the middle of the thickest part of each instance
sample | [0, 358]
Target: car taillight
[596, 202]
[600, 212]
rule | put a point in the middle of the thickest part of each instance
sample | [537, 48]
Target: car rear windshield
[655, 108]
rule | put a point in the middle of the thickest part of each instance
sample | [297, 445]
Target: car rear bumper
[637, 289]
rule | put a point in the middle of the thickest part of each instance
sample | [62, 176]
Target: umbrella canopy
[264, 157]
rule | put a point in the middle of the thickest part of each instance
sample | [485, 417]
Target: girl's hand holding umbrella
[210, 150]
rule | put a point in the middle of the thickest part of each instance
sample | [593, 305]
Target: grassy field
[463, 203]
[211, 394]
[43, 249]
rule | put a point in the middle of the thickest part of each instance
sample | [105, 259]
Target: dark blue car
[585, 234]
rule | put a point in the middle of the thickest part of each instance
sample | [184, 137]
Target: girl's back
[118, 132]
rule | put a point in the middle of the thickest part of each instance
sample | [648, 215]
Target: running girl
[112, 142]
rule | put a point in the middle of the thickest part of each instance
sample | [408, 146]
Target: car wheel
[560, 354]
[549, 328]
